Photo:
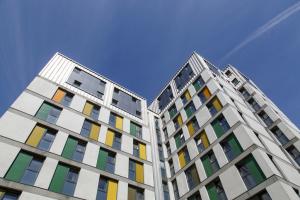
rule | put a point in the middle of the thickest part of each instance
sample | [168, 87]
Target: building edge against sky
[209, 134]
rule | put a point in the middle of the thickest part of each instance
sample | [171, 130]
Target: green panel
[177, 140]
[132, 129]
[206, 165]
[172, 113]
[233, 142]
[43, 111]
[212, 191]
[188, 112]
[255, 170]
[69, 148]
[18, 167]
[102, 159]
[217, 128]
[57, 182]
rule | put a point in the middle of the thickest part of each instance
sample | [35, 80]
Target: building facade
[209, 134]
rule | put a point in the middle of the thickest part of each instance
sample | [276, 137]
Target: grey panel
[184, 76]
[165, 98]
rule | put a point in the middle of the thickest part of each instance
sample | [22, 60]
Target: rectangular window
[48, 113]
[235, 81]
[179, 139]
[175, 188]
[74, 149]
[192, 177]
[161, 153]
[204, 94]
[267, 120]
[41, 137]
[220, 126]
[24, 169]
[185, 97]
[280, 135]
[107, 189]
[166, 134]
[64, 180]
[171, 167]
[135, 193]
[261, 196]
[215, 190]
[184, 76]
[190, 109]
[165, 98]
[254, 104]
[178, 122]
[193, 126]
[91, 110]
[106, 160]
[250, 172]
[198, 83]
[166, 191]
[139, 149]
[116, 121]
[195, 196]
[6, 194]
[90, 130]
[231, 147]
[245, 93]
[202, 141]
[184, 157]
[136, 171]
[295, 154]
[210, 163]
[136, 130]
[63, 97]
[214, 106]
[228, 73]
[172, 111]
[113, 139]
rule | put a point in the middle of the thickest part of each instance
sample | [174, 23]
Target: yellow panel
[95, 132]
[87, 108]
[179, 120]
[187, 95]
[112, 190]
[181, 159]
[191, 128]
[59, 95]
[217, 104]
[109, 138]
[142, 148]
[206, 92]
[139, 173]
[36, 135]
[2, 192]
[119, 122]
[204, 139]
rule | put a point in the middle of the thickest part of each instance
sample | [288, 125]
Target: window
[64, 180]
[210, 163]
[116, 121]
[165, 98]
[184, 157]
[166, 133]
[172, 111]
[295, 154]
[77, 83]
[193, 126]
[90, 130]
[91, 110]
[6, 194]
[183, 77]
[41, 137]
[279, 135]
[175, 188]
[107, 189]
[135, 130]
[168, 149]
[178, 122]
[190, 109]
[204, 94]
[113, 139]
[215, 190]
[192, 177]
[214, 106]
[235, 81]
[24, 169]
[220, 125]
[202, 141]
[261, 196]
[245, 93]
[179, 139]
[136, 171]
[74, 149]
[185, 97]
[63, 97]
[163, 170]
[172, 170]
[166, 191]
[254, 104]
[250, 172]
[161, 153]
[231, 147]
[135, 193]
[48, 112]
[198, 83]
[195, 196]
[267, 120]
[106, 160]
[228, 73]
[139, 150]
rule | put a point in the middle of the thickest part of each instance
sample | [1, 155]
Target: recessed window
[77, 83]
[235, 81]
[77, 70]
[228, 73]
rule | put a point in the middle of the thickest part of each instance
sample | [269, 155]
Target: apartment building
[208, 135]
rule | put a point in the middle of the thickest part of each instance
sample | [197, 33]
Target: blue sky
[141, 43]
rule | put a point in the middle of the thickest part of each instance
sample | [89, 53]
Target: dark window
[231, 147]
[79, 152]
[184, 76]
[77, 83]
[47, 140]
[254, 104]
[228, 73]
[165, 98]
[132, 172]
[261, 196]
[171, 167]
[70, 182]
[172, 111]
[117, 141]
[267, 120]
[280, 135]
[215, 190]
[198, 83]
[102, 189]
[175, 188]
[295, 154]
[235, 81]
[166, 191]
[195, 196]
[190, 109]
[192, 177]
[32, 171]
[245, 93]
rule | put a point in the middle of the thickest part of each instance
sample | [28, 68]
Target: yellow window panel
[187, 95]
[179, 120]
[139, 173]
[2, 192]
[142, 148]
[59, 95]
[109, 138]
[119, 122]
[112, 190]
[35, 136]
[217, 104]
[87, 108]
[95, 132]
[206, 92]
[191, 128]
[204, 139]
[181, 159]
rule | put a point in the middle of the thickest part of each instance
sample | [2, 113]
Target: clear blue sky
[141, 43]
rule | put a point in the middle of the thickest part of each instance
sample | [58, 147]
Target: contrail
[267, 26]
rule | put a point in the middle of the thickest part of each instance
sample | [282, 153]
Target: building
[209, 134]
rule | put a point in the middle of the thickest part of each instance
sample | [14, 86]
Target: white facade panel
[46, 173]
[70, 121]
[87, 185]
[27, 103]
[42, 87]
[8, 154]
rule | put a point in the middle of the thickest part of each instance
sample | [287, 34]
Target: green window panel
[189, 112]
[236, 147]
[44, 111]
[133, 129]
[102, 159]
[212, 191]
[18, 167]
[207, 166]
[255, 170]
[69, 148]
[58, 179]
[177, 141]
[172, 113]
[217, 128]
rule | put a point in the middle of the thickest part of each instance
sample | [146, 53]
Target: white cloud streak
[266, 27]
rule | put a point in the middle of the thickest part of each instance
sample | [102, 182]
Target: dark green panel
[188, 112]
[206, 165]
[43, 111]
[102, 159]
[69, 148]
[57, 182]
[132, 129]
[233, 142]
[212, 191]
[18, 167]
[255, 170]
[177, 140]
[217, 128]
